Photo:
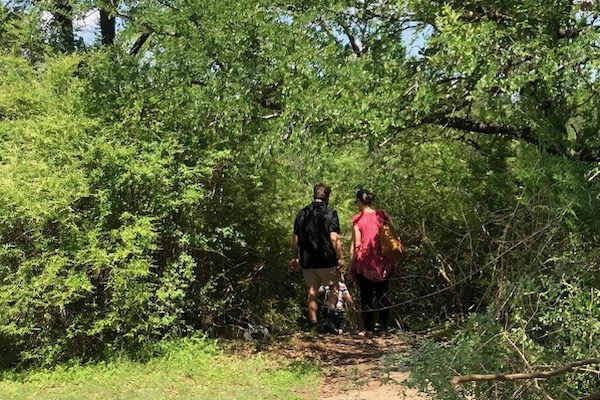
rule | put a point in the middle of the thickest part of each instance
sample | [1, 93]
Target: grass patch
[189, 369]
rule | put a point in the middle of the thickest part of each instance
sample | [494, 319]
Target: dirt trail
[355, 368]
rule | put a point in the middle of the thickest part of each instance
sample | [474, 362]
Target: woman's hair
[365, 196]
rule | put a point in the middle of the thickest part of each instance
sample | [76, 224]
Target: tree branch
[523, 133]
[488, 127]
[195, 20]
[540, 389]
[595, 396]
[356, 45]
[270, 116]
[137, 46]
[457, 380]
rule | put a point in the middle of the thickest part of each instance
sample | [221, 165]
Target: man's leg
[312, 304]
[312, 280]
[332, 278]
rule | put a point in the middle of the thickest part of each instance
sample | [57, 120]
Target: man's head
[321, 192]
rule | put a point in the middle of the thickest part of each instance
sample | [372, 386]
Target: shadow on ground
[354, 367]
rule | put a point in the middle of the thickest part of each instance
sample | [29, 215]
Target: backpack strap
[383, 217]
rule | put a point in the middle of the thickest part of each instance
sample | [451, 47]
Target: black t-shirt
[313, 225]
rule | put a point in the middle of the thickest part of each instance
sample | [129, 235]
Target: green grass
[190, 369]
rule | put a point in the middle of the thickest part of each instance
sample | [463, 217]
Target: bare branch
[356, 45]
[137, 46]
[457, 380]
[595, 396]
[540, 389]
[490, 128]
[270, 116]
[522, 133]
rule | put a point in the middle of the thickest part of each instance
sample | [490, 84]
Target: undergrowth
[193, 368]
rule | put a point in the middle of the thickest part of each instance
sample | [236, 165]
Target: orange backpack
[389, 241]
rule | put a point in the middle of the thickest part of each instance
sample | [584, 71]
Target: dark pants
[374, 290]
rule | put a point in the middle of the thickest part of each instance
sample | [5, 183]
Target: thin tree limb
[522, 133]
[270, 116]
[137, 46]
[354, 43]
[595, 396]
[457, 380]
[540, 389]
[490, 128]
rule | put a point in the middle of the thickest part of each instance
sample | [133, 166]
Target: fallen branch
[457, 380]
[595, 396]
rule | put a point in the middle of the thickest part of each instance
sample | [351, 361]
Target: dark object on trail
[255, 332]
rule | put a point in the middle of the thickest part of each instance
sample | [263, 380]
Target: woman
[368, 268]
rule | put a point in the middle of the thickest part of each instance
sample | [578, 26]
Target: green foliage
[123, 234]
[149, 191]
[542, 287]
[21, 32]
[524, 340]
[182, 369]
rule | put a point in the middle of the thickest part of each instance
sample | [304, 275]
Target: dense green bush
[117, 231]
[538, 293]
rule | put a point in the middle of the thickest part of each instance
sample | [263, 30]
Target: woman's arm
[356, 238]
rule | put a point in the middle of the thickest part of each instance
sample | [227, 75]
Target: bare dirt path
[355, 368]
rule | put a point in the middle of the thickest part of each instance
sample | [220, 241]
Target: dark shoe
[310, 327]
[331, 323]
[330, 327]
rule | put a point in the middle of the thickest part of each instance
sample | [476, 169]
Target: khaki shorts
[321, 276]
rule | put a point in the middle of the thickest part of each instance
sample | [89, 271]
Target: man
[317, 250]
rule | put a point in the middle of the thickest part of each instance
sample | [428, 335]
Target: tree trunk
[64, 18]
[107, 27]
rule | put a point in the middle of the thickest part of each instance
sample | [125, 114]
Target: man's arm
[334, 237]
[337, 246]
[295, 262]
